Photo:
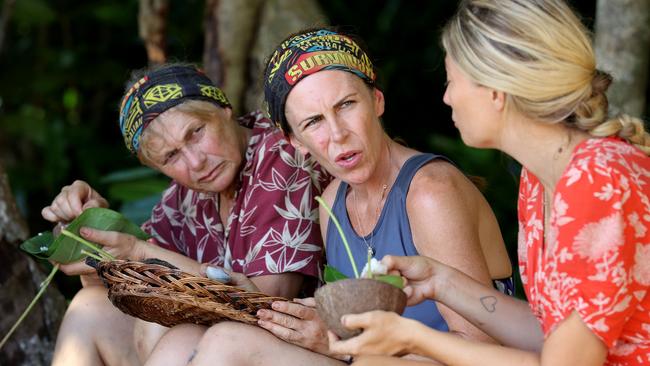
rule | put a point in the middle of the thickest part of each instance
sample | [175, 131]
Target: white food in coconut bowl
[376, 268]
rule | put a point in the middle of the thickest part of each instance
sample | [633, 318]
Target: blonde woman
[522, 79]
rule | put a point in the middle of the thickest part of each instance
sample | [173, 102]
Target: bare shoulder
[451, 221]
[439, 183]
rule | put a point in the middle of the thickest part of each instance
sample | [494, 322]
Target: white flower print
[597, 239]
[639, 227]
[641, 269]
[574, 176]
[622, 349]
[600, 325]
[607, 192]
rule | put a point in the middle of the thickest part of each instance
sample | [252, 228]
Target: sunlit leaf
[332, 274]
[71, 98]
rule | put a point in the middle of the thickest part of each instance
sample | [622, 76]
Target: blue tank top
[392, 236]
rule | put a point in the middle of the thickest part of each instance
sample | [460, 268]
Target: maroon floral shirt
[273, 225]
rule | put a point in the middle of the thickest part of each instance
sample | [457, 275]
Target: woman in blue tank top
[320, 89]
[390, 199]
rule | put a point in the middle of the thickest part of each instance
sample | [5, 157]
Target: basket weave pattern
[169, 296]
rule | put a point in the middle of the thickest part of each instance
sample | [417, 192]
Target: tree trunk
[229, 31]
[20, 277]
[623, 49]
[152, 26]
[240, 35]
[7, 8]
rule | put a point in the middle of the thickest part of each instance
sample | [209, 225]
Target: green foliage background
[64, 64]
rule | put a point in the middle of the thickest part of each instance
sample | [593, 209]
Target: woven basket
[168, 296]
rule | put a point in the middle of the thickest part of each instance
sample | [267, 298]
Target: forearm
[506, 319]
[456, 351]
[184, 263]
[392, 361]
[90, 280]
[286, 285]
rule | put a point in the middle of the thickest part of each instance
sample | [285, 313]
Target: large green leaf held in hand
[39, 245]
[64, 249]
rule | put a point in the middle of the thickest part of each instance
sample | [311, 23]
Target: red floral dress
[273, 225]
[596, 259]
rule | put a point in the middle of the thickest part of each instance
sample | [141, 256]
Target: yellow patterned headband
[159, 91]
[307, 53]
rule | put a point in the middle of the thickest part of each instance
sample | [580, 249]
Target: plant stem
[92, 255]
[104, 254]
[338, 227]
[40, 292]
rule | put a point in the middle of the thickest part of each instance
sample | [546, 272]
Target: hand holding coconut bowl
[522, 78]
[390, 200]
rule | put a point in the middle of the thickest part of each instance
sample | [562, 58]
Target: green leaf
[332, 274]
[396, 281]
[70, 98]
[34, 13]
[39, 245]
[64, 249]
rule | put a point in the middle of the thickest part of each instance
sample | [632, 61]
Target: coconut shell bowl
[355, 296]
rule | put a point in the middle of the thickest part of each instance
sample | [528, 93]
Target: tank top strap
[412, 165]
[338, 209]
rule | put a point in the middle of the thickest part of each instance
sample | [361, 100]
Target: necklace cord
[371, 250]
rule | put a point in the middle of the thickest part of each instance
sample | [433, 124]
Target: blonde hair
[539, 54]
[199, 109]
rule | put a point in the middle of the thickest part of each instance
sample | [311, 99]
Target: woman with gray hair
[232, 203]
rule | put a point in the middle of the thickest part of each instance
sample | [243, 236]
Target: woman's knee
[176, 346]
[222, 344]
[233, 333]
[90, 306]
[93, 329]
[145, 337]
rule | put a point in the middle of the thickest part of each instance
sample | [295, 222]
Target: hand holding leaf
[72, 201]
[120, 236]
[71, 247]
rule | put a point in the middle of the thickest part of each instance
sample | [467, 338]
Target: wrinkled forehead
[167, 131]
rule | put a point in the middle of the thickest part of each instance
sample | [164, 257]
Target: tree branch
[230, 28]
[7, 9]
[12, 226]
